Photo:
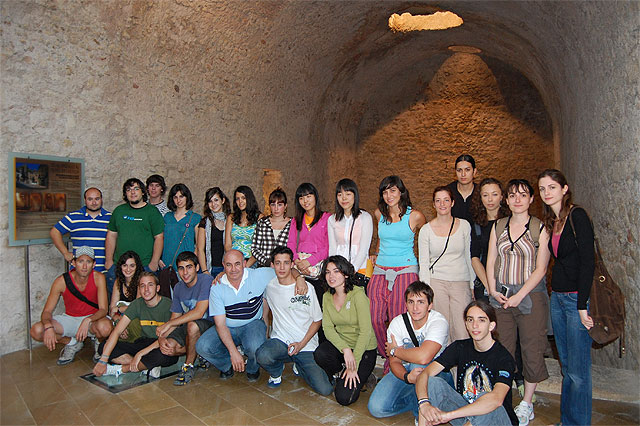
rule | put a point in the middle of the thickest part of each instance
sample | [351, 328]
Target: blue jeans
[273, 354]
[393, 396]
[574, 349]
[215, 270]
[446, 398]
[250, 336]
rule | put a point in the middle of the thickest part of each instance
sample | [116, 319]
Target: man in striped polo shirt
[236, 307]
[87, 227]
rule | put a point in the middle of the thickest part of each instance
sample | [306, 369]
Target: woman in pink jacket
[308, 236]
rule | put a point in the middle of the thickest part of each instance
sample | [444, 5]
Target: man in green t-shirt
[135, 225]
[152, 310]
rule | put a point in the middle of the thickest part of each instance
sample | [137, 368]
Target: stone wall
[212, 93]
[137, 88]
[498, 118]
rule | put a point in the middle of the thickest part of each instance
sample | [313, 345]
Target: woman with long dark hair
[487, 206]
[210, 236]
[463, 187]
[179, 225]
[272, 231]
[241, 225]
[125, 290]
[571, 245]
[350, 348]
[518, 245]
[350, 228]
[396, 265]
[308, 237]
[444, 245]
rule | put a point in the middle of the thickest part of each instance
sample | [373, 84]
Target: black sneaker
[224, 375]
[202, 363]
[253, 377]
[185, 375]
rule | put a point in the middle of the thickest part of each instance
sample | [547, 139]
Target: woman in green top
[350, 348]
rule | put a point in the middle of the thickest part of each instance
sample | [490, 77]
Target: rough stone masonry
[212, 93]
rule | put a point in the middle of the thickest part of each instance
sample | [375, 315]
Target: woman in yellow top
[350, 348]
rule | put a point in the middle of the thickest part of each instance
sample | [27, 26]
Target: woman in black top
[571, 244]
[210, 236]
[463, 187]
[487, 206]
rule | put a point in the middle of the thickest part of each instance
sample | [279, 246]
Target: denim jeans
[250, 336]
[215, 270]
[273, 354]
[574, 349]
[110, 277]
[393, 396]
[446, 398]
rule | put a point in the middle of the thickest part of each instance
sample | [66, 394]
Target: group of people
[259, 291]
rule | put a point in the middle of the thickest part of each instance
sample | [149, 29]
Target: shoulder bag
[606, 300]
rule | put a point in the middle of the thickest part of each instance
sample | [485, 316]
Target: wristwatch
[392, 352]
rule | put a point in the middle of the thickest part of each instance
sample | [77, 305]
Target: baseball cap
[86, 250]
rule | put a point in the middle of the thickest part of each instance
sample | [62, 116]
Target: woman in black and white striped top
[273, 230]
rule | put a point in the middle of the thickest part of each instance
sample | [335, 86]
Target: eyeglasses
[133, 189]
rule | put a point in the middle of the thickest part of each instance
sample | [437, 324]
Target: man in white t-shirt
[408, 355]
[296, 321]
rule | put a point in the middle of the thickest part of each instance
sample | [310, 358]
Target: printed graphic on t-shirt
[407, 343]
[300, 301]
[476, 382]
[188, 305]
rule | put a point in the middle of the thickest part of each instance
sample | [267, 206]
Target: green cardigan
[351, 326]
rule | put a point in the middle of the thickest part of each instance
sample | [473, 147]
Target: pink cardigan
[315, 242]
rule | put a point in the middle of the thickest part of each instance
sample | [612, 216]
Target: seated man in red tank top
[84, 292]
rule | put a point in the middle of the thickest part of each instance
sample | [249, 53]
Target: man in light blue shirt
[236, 307]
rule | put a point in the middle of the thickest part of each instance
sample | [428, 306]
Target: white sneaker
[524, 411]
[113, 370]
[155, 372]
[295, 370]
[274, 382]
[68, 353]
[96, 345]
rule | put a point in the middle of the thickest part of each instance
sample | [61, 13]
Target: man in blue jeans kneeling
[296, 321]
[236, 307]
[413, 340]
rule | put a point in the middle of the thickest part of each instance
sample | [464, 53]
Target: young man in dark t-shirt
[189, 315]
[484, 377]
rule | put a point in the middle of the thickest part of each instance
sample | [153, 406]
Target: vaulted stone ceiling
[228, 88]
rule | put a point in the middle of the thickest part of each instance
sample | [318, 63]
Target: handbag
[167, 277]
[606, 300]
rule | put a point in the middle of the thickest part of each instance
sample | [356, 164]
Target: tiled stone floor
[37, 391]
